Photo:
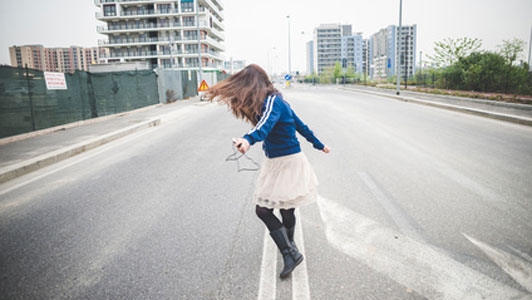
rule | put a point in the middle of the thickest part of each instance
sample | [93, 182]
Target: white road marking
[268, 269]
[300, 288]
[519, 269]
[409, 262]
[396, 213]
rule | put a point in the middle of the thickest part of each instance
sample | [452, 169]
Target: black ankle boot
[290, 234]
[291, 256]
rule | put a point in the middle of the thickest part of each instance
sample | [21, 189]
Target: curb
[25, 167]
[472, 111]
[23, 136]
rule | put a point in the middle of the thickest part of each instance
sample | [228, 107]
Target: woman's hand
[241, 144]
[326, 149]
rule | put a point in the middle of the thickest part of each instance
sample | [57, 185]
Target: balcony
[140, 27]
[154, 40]
[142, 54]
[214, 8]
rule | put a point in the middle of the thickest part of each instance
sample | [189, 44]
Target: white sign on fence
[55, 81]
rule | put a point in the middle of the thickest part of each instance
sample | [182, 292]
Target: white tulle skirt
[286, 182]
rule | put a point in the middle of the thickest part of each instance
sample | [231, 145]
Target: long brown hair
[244, 92]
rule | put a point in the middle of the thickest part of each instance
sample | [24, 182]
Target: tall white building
[163, 32]
[310, 58]
[351, 52]
[328, 44]
[386, 49]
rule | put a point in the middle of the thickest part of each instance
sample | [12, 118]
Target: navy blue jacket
[277, 128]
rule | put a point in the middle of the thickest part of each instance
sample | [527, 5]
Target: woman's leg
[267, 216]
[289, 222]
[289, 219]
[278, 232]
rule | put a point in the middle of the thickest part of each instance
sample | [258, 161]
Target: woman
[286, 180]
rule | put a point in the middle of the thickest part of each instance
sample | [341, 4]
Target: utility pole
[420, 63]
[529, 48]
[397, 56]
[406, 61]
[199, 43]
[289, 56]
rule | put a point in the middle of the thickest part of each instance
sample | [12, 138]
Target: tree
[337, 72]
[450, 50]
[487, 72]
[510, 49]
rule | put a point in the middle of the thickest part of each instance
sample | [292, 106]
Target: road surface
[415, 202]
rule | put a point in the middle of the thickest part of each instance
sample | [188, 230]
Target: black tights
[271, 221]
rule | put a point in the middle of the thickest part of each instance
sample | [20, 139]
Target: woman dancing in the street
[286, 180]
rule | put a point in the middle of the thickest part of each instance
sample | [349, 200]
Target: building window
[187, 5]
[188, 21]
[164, 8]
[109, 10]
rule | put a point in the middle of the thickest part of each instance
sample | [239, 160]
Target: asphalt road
[416, 202]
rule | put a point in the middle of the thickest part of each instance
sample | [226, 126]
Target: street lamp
[397, 56]
[289, 56]
[406, 61]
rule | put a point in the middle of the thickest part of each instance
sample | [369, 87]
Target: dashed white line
[300, 287]
[268, 272]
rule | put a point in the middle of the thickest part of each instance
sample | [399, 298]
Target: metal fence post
[30, 99]
[92, 99]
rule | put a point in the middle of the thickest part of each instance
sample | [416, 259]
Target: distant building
[327, 45]
[310, 58]
[365, 57]
[54, 59]
[384, 47]
[163, 33]
[377, 56]
[351, 52]
[233, 66]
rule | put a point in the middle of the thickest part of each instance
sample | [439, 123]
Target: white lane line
[300, 288]
[411, 263]
[400, 218]
[268, 269]
[519, 269]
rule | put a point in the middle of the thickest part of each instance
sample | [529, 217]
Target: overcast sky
[256, 30]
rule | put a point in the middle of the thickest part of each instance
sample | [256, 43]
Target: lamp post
[530, 48]
[397, 57]
[199, 43]
[289, 56]
[406, 61]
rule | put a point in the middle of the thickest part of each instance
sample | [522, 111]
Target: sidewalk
[509, 112]
[24, 156]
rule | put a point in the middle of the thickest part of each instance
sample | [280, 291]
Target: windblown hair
[244, 92]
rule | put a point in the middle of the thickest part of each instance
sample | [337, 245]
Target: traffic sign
[287, 77]
[203, 86]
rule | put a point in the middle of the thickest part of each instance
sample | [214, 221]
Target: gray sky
[254, 28]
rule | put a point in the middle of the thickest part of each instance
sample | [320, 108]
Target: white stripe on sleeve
[266, 115]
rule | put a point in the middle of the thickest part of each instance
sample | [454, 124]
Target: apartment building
[310, 57]
[365, 57]
[233, 66]
[327, 45]
[387, 48]
[407, 46]
[351, 52]
[66, 60]
[163, 32]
